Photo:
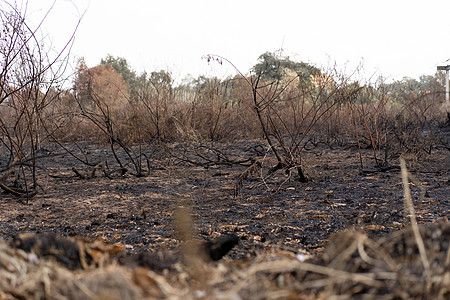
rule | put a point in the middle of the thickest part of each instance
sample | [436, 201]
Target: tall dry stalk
[412, 214]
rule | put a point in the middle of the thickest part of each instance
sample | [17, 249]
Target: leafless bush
[156, 96]
[389, 119]
[292, 109]
[217, 110]
[29, 81]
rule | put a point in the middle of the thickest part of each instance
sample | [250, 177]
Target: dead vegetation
[267, 205]
[278, 260]
[352, 265]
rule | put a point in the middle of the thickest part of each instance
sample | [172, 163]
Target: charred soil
[267, 212]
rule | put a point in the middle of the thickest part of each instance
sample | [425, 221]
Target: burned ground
[268, 213]
[138, 211]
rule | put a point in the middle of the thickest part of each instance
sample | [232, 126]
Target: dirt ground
[267, 213]
[274, 211]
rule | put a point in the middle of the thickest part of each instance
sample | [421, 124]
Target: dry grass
[352, 265]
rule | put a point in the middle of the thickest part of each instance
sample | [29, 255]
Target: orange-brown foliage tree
[102, 96]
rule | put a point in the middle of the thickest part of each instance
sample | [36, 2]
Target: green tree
[162, 79]
[273, 67]
[409, 88]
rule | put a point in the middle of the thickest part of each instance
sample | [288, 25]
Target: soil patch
[267, 213]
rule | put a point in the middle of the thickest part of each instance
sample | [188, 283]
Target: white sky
[393, 38]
